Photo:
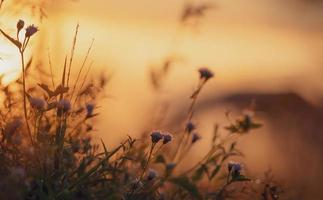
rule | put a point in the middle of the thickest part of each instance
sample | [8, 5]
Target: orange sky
[265, 45]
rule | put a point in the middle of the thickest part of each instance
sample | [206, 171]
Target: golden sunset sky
[255, 45]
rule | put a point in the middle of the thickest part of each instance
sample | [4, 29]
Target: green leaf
[215, 171]
[198, 175]
[186, 184]
[239, 177]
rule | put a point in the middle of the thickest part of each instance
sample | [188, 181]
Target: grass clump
[47, 152]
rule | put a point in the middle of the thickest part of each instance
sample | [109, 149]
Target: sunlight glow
[9, 62]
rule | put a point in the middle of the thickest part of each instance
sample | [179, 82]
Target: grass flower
[156, 136]
[234, 167]
[30, 31]
[205, 73]
[190, 126]
[167, 138]
[37, 103]
[89, 109]
[20, 25]
[63, 106]
[170, 166]
[152, 174]
[195, 137]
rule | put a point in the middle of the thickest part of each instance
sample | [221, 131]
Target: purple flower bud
[152, 174]
[30, 30]
[11, 128]
[170, 166]
[20, 25]
[190, 127]
[167, 138]
[234, 167]
[37, 103]
[156, 136]
[205, 73]
[195, 137]
[89, 109]
[63, 106]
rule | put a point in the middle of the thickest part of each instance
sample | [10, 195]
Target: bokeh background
[263, 51]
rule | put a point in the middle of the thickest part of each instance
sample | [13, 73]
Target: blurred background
[263, 51]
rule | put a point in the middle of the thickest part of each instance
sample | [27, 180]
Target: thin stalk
[51, 69]
[185, 136]
[81, 69]
[143, 170]
[24, 95]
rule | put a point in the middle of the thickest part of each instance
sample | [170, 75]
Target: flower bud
[152, 174]
[20, 25]
[30, 30]
[167, 138]
[205, 73]
[190, 127]
[89, 109]
[195, 137]
[156, 136]
[234, 167]
[37, 103]
[63, 107]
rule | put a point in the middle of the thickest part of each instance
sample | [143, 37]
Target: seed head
[167, 138]
[205, 73]
[195, 137]
[156, 136]
[89, 109]
[63, 106]
[152, 174]
[37, 103]
[30, 30]
[20, 25]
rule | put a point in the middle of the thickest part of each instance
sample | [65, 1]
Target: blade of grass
[81, 69]
[84, 80]
[72, 53]
[51, 69]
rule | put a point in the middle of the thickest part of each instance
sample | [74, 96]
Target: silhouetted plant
[60, 161]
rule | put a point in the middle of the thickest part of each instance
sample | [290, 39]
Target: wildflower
[156, 136]
[37, 103]
[167, 138]
[89, 109]
[20, 25]
[170, 166]
[195, 137]
[205, 73]
[152, 174]
[12, 127]
[234, 167]
[190, 127]
[30, 30]
[63, 107]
